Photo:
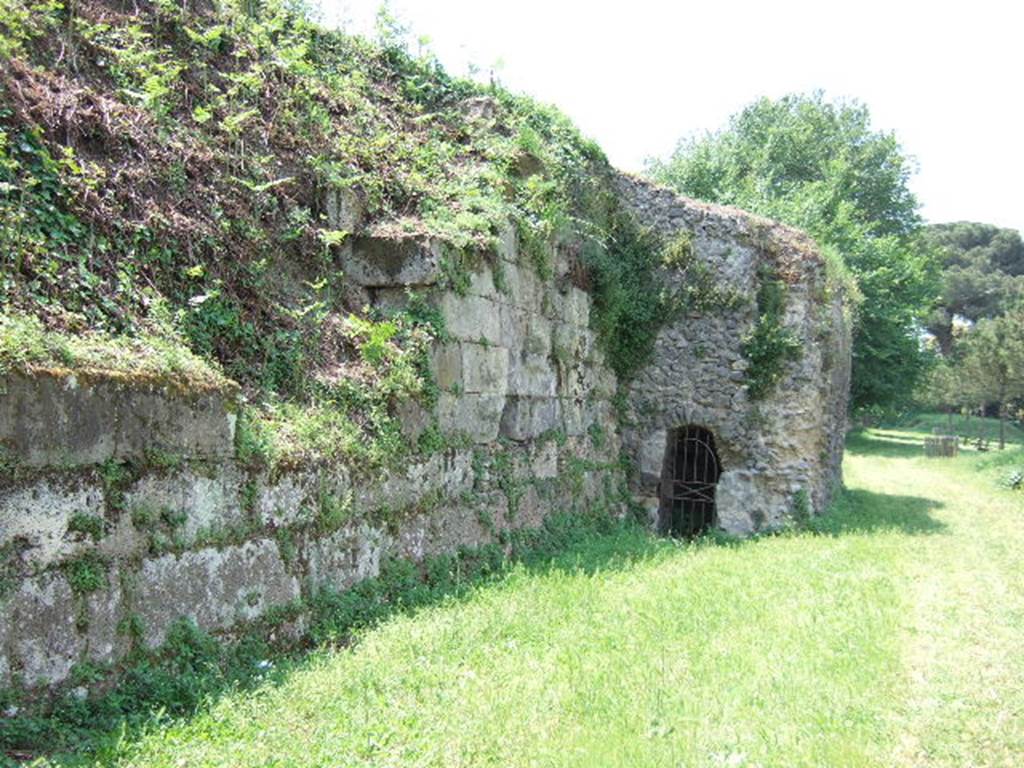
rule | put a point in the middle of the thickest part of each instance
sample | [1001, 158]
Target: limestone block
[574, 417]
[459, 526]
[544, 463]
[289, 498]
[413, 419]
[525, 418]
[475, 416]
[400, 488]
[122, 540]
[376, 262]
[345, 557]
[529, 510]
[344, 209]
[38, 514]
[471, 318]
[216, 588]
[538, 337]
[412, 539]
[446, 365]
[207, 502]
[457, 475]
[104, 609]
[388, 299]
[54, 420]
[532, 376]
[508, 242]
[484, 369]
[45, 643]
[202, 426]
[481, 283]
[576, 308]
[524, 286]
[514, 323]
[570, 342]
[651, 456]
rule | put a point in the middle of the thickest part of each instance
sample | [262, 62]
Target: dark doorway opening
[688, 482]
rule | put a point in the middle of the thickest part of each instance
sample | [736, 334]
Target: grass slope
[888, 636]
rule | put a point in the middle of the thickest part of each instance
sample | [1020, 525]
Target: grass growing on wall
[191, 172]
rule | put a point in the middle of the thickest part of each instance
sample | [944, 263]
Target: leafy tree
[993, 365]
[982, 273]
[820, 166]
[943, 389]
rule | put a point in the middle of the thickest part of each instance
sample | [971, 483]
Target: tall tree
[982, 273]
[820, 166]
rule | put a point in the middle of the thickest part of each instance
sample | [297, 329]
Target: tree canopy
[821, 167]
[982, 273]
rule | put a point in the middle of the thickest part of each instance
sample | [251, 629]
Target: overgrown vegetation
[639, 284]
[179, 211]
[770, 345]
[26, 345]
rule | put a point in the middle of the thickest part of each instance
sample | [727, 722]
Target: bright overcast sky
[947, 77]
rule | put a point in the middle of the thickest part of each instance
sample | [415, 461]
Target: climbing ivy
[640, 282]
[770, 345]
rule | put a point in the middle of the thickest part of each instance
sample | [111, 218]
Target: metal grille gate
[688, 482]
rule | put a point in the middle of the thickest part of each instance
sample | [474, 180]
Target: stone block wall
[130, 510]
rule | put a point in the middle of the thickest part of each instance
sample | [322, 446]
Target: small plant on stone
[800, 512]
[86, 574]
[88, 525]
[333, 511]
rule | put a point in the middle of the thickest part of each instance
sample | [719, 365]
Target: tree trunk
[1002, 426]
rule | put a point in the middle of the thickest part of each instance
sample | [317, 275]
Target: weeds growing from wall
[770, 346]
[640, 283]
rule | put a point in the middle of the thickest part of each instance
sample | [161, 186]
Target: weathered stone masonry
[525, 394]
[770, 449]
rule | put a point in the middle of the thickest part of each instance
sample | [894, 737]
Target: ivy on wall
[770, 345]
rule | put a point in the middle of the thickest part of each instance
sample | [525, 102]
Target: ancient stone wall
[772, 448]
[130, 510]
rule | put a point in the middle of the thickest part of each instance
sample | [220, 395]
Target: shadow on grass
[858, 511]
[194, 670]
[879, 443]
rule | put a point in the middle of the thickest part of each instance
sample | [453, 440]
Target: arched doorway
[688, 481]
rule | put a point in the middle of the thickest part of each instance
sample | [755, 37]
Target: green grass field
[890, 635]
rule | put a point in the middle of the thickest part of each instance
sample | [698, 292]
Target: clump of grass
[92, 526]
[27, 345]
[86, 574]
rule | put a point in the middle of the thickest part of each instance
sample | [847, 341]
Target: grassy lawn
[891, 635]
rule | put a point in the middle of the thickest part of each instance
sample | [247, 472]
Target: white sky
[947, 77]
